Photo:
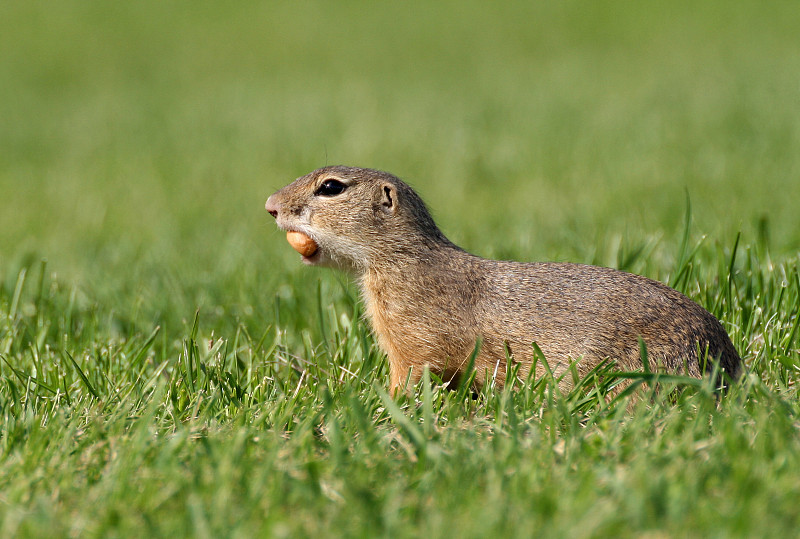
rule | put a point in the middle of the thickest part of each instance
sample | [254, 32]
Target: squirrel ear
[388, 198]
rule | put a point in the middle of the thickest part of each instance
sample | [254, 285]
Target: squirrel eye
[330, 188]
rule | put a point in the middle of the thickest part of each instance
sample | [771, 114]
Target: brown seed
[301, 243]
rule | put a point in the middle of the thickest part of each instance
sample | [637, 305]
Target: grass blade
[402, 421]
[25, 377]
[145, 347]
[82, 375]
[683, 257]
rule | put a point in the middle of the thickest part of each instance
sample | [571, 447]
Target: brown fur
[429, 301]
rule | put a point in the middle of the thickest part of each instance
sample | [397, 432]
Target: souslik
[430, 301]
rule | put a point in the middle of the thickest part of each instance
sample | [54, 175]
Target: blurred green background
[139, 140]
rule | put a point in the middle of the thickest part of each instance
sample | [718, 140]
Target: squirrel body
[430, 302]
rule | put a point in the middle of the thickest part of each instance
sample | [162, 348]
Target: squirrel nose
[272, 207]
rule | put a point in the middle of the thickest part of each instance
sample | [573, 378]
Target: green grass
[168, 367]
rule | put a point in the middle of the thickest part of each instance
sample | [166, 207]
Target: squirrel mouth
[305, 245]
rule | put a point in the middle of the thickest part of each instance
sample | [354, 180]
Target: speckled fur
[429, 301]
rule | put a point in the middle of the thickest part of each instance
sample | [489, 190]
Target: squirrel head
[356, 216]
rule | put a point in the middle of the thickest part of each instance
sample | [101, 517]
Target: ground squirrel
[429, 301]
